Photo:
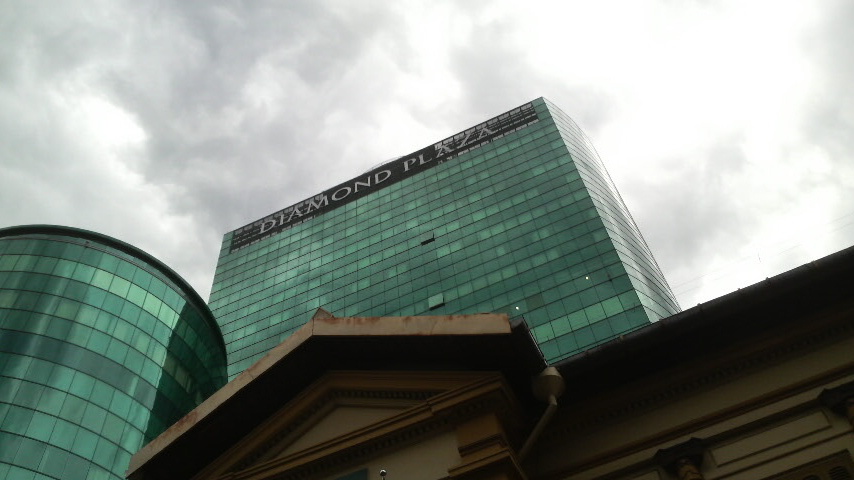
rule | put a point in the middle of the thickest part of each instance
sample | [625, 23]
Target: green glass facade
[102, 348]
[515, 215]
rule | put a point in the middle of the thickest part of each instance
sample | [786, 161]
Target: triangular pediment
[343, 418]
[338, 411]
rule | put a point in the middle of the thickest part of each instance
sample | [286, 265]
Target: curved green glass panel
[102, 347]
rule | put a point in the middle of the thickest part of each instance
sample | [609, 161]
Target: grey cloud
[179, 70]
[828, 123]
[492, 71]
[193, 71]
[697, 217]
[496, 73]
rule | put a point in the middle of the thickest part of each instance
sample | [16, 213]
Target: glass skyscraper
[102, 347]
[516, 215]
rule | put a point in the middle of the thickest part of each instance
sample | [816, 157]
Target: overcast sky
[726, 125]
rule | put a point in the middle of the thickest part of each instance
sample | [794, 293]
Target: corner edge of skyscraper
[648, 280]
[102, 347]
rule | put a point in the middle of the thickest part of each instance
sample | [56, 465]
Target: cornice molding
[634, 400]
[695, 376]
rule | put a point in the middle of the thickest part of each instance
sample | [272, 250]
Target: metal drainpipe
[547, 386]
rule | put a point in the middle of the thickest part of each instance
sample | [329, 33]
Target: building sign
[385, 175]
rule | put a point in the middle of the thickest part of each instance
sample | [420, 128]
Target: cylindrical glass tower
[102, 347]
